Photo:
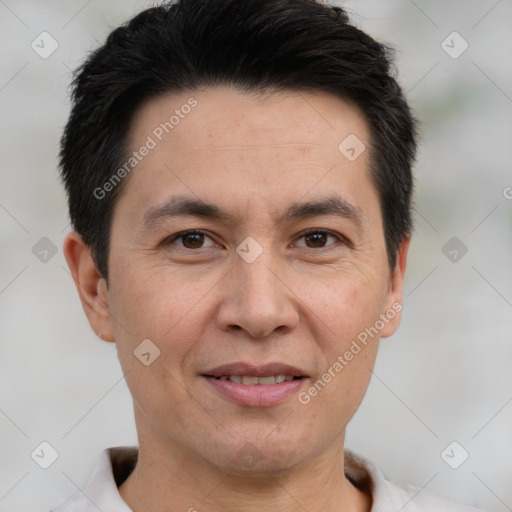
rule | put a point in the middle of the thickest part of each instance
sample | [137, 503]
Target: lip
[251, 370]
[256, 395]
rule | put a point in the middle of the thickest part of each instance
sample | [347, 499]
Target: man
[239, 183]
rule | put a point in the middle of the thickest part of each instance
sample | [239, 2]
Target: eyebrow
[183, 206]
[334, 205]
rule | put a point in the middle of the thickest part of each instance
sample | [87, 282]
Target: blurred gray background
[445, 376]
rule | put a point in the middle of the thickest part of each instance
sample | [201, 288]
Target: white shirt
[115, 464]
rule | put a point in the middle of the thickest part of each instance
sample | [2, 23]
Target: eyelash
[302, 234]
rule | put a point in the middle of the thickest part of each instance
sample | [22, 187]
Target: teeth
[249, 381]
[262, 381]
[265, 381]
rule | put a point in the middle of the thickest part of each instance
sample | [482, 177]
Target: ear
[392, 314]
[91, 287]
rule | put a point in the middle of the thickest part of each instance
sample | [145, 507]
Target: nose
[257, 299]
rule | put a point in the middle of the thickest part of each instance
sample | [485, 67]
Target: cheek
[342, 304]
[160, 307]
[152, 297]
[345, 318]
[164, 307]
[344, 313]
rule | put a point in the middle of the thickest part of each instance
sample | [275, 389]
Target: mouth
[256, 386]
[248, 380]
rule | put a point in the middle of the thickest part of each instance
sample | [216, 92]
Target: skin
[300, 302]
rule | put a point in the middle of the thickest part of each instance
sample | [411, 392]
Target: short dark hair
[254, 45]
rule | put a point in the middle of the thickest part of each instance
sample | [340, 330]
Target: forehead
[226, 146]
[225, 117]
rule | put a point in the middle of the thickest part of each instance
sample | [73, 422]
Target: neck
[180, 480]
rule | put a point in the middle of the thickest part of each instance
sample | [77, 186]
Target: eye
[196, 239]
[190, 240]
[318, 239]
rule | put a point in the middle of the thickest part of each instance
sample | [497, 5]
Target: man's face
[268, 287]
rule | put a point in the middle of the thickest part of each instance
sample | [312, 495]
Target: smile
[256, 386]
[248, 380]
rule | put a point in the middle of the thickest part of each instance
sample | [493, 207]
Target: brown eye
[317, 239]
[191, 240]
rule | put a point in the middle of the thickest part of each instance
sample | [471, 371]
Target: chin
[264, 466]
[260, 457]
